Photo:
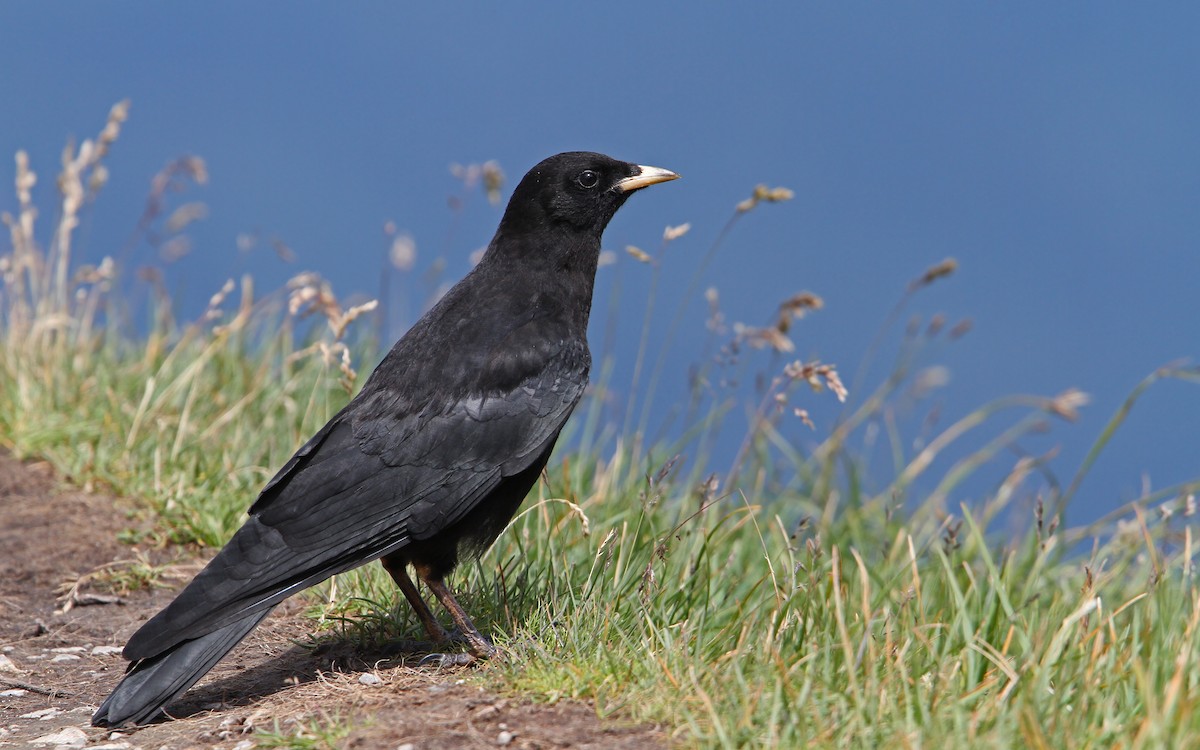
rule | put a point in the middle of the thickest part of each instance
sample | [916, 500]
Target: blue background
[1051, 148]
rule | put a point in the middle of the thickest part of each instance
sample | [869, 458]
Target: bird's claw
[443, 661]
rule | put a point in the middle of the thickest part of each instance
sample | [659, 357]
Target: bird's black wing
[383, 472]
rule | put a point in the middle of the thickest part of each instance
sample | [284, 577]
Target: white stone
[370, 680]
[65, 737]
[6, 664]
[43, 715]
[65, 657]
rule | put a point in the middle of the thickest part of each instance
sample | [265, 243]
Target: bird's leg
[396, 568]
[479, 645]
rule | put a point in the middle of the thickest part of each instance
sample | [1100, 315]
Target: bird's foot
[479, 648]
[444, 661]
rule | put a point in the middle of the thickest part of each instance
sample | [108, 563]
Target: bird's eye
[588, 179]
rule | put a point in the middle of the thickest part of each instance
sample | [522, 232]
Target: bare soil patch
[56, 667]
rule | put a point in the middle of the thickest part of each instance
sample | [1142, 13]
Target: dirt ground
[56, 667]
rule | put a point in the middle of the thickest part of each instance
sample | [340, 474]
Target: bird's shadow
[300, 664]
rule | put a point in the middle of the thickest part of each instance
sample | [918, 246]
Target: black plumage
[435, 454]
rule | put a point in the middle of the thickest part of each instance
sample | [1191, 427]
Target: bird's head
[577, 190]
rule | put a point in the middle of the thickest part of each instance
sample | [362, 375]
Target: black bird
[432, 458]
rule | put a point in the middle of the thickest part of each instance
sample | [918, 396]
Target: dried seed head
[186, 214]
[218, 299]
[933, 273]
[98, 179]
[195, 167]
[285, 253]
[762, 193]
[802, 414]
[796, 307]
[818, 377]
[716, 319]
[174, 249]
[674, 233]
[929, 379]
[638, 254]
[1066, 404]
[106, 271]
[493, 181]
[403, 253]
[763, 338]
[801, 302]
[112, 128]
[936, 323]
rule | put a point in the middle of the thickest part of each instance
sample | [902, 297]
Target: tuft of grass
[326, 731]
[798, 596]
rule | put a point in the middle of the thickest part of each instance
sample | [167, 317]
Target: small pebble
[104, 650]
[111, 746]
[505, 737]
[406, 746]
[14, 693]
[6, 664]
[65, 657]
[244, 745]
[370, 680]
[69, 650]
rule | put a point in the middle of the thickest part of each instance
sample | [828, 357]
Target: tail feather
[152, 683]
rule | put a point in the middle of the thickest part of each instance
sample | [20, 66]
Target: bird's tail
[151, 683]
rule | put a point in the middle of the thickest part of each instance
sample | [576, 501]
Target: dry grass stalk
[41, 294]
[310, 294]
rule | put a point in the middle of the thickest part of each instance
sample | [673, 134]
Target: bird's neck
[564, 270]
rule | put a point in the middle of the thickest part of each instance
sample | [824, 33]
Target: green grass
[779, 604]
[324, 732]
